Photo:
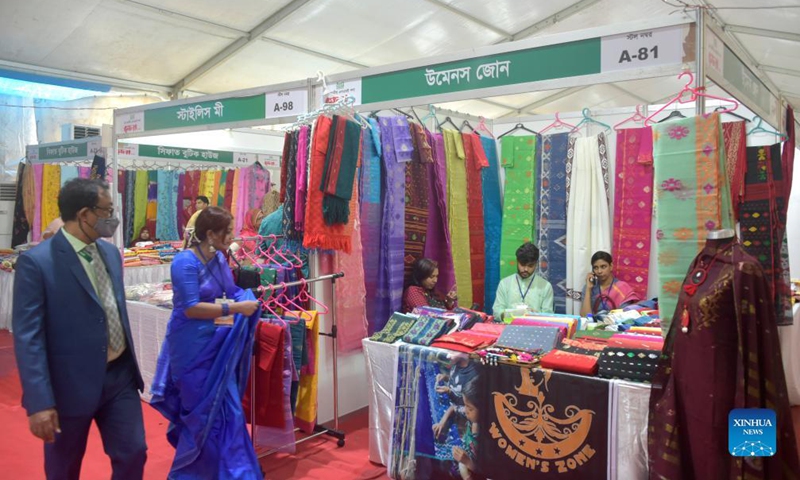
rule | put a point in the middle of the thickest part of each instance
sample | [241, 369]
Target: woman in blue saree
[205, 360]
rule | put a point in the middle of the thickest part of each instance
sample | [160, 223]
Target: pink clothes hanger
[482, 126]
[290, 302]
[695, 93]
[558, 123]
[305, 297]
[636, 117]
[265, 304]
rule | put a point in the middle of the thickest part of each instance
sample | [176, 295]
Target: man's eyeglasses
[110, 210]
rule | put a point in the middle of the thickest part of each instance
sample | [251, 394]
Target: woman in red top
[422, 293]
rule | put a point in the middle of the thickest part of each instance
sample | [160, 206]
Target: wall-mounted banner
[65, 151]
[646, 48]
[127, 151]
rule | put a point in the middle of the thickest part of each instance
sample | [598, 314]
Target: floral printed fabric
[517, 157]
[691, 197]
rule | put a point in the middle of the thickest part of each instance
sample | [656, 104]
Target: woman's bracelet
[226, 309]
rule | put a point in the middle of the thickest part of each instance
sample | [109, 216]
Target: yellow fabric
[78, 245]
[214, 199]
[207, 185]
[141, 184]
[51, 184]
[235, 199]
[306, 409]
[457, 215]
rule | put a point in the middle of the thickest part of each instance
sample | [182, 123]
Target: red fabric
[475, 161]
[490, 328]
[229, 178]
[735, 160]
[336, 159]
[625, 342]
[268, 368]
[466, 341]
[569, 362]
[287, 142]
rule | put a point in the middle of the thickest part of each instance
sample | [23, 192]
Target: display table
[132, 276]
[148, 329]
[628, 411]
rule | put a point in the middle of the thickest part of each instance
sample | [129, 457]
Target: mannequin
[722, 352]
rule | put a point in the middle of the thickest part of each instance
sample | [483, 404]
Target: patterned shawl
[475, 162]
[553, 217]
[492, 219]
[51, 184]
[371, 210]
[437, 245]
[735, 160]
[417, 200]
[458, 213]
[518, 160]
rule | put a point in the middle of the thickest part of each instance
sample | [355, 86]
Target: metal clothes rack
[318, 429]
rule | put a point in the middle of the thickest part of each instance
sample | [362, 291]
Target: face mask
[105, 227]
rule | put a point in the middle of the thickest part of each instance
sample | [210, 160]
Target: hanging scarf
[230, 177]
[152, 200]
[417, 190]
[633, 207]
[191, 187]
[287, 142]
[223, 179]
[351, 295]
[179, 203]
[318, 234]
[51, 184]
[260, 176]
[553, 216]
[390, 284]
[130, 206]
[290, 201]
[588, 222]
[518, 160]
[38, 173]
[140, 202]
[691, 198]
[787, 164]
[492, 219]
[30, 195]
[302, 178]
[458, 213]
[475, 163]
[438, 245]
[338, 175]
[21, 225]
[84, 172]
[242, 201]
[68, 173]
[305, 415]
[371, 210]
[98, 168]
[735, 138]
[166, 226]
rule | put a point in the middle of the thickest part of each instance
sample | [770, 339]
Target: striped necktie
[105, 292]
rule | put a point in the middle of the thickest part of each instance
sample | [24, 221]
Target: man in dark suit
[73, 341]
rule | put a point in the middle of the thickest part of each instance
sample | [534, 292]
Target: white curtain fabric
[588, 219]
[790, 339]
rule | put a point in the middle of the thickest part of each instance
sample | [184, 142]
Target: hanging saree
[351, 294]
[553, 217]
[588, 222]
[140, 203]
[492, 219]
[417, 191]
[371, 211]
[458, 214]
[179, 203]
[21, 227]
[152, 201]
[290, 202]
[98, 168]
[305, 415]
[732, 335]
[68, 173]
[787, 163]
[216, 178]
[30, 195]
[762, 219]
[51, 184]
[339, 170]
[242, 201]
[166, 226]
[260, 176]
[319, 234]
[438, 246]
[390, 283]
[691, 198]
[302, 178]
[129, 205]
[735, 137]
[223, 179]
[633, 207]
[475, 163]
[37, 228]
[518, 160]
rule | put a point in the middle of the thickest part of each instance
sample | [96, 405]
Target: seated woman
[144, 237]
[603, 291]
[421, 292]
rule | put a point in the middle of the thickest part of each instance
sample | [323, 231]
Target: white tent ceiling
[213, 46]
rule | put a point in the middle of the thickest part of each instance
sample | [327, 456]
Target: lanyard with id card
[227, 320]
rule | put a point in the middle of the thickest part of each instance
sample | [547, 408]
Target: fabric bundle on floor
[476, 161]
[553, 217]
[417, 191]
[633, 207]
[458, 213]
[588, 222]
[518, 160]
[691, 198]
[492, 219]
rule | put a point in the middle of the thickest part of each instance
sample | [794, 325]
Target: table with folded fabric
[148, 329]
[132, 276]
[628, 410]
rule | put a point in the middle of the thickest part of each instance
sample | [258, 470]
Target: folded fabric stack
[427, 329]
[569, 322]
[152, 254]
[398, 325]
[628, 364]
[158, 294]
[637, 341]
[460, 320]
[574, 356]
[481, 335]
[596, 336]
[8, 258]
[529, 338]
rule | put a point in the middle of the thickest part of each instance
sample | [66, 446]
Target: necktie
[105, 292]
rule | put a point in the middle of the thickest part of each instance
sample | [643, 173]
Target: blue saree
[201, 376]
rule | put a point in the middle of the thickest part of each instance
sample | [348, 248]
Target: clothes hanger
[518, 126]
[587, 119]
[673, 114]
[305, 297]
[558, 123]
[482, 126]
[465, 123]
[721, 108]
[695, 93]
[290, 304]
[447, 120]
[636, 117]
[407, 115]
[431, 114]
[760, 129]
